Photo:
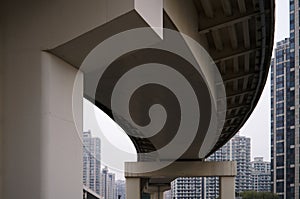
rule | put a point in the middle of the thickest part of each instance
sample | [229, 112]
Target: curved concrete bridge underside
[238, 35]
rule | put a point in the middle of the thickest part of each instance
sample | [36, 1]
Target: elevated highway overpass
[45, 48]
[237, 34]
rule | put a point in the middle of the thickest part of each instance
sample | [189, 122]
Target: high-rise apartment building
[212, 183]
[187, 187]
[237, 149]
[285, 161]
[261, 175]
[285, 113]
[91, 162]
[258, 164]
[241, 153]
[108, 185]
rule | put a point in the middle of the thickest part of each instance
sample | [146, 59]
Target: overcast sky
[117, 148]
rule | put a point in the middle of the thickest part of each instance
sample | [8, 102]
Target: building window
[292, 6]
[279, 160]
[280, 147]
[279, 68]
[279, 174]
[279, 187]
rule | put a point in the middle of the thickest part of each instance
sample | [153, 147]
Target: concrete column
[133, 188]
[42, 148]
[227, 187]
[61, 144]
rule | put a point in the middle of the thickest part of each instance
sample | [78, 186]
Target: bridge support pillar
[41, 140]
[158, 181]
[133, 188]
[227, 187]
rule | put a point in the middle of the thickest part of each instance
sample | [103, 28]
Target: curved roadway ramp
[237, 37]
